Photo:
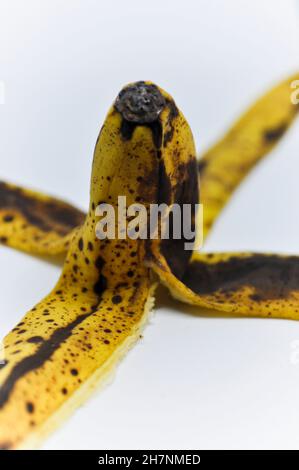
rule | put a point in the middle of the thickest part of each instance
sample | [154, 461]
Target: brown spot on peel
[272, 135]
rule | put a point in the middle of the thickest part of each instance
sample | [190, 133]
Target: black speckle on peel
[80, 244]
[75, 268]
[116, 299]
[21, 332]
[74, 372]
[35, 339]
[271, 277]
[274, 134]
[8, 218]
[100, 262]
[30, 407]
[101, 284]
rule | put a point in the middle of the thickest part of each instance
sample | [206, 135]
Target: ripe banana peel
[36, 223]
[71, 340]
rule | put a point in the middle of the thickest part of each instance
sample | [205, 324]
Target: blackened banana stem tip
[140, 102]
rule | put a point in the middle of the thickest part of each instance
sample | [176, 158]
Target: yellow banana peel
[71, 340]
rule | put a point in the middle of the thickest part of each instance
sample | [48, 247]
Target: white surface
[193, 381]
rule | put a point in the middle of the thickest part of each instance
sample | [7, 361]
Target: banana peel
[223, 167]
[71, 340]
[35, 222]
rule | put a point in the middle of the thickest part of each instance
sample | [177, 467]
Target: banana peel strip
[239, 284]
[223, 167]
[36, 223]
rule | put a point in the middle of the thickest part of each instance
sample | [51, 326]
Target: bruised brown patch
[173, 113]
[270, 276]
[185, 192]
[47, 215]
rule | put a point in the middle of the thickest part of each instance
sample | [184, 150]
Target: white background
[196, 380]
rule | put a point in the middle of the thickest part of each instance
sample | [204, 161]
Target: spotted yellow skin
[36, 223]
[240, 284]
[223, 167]
[221, 170]
[102, 299]
[70, 340]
